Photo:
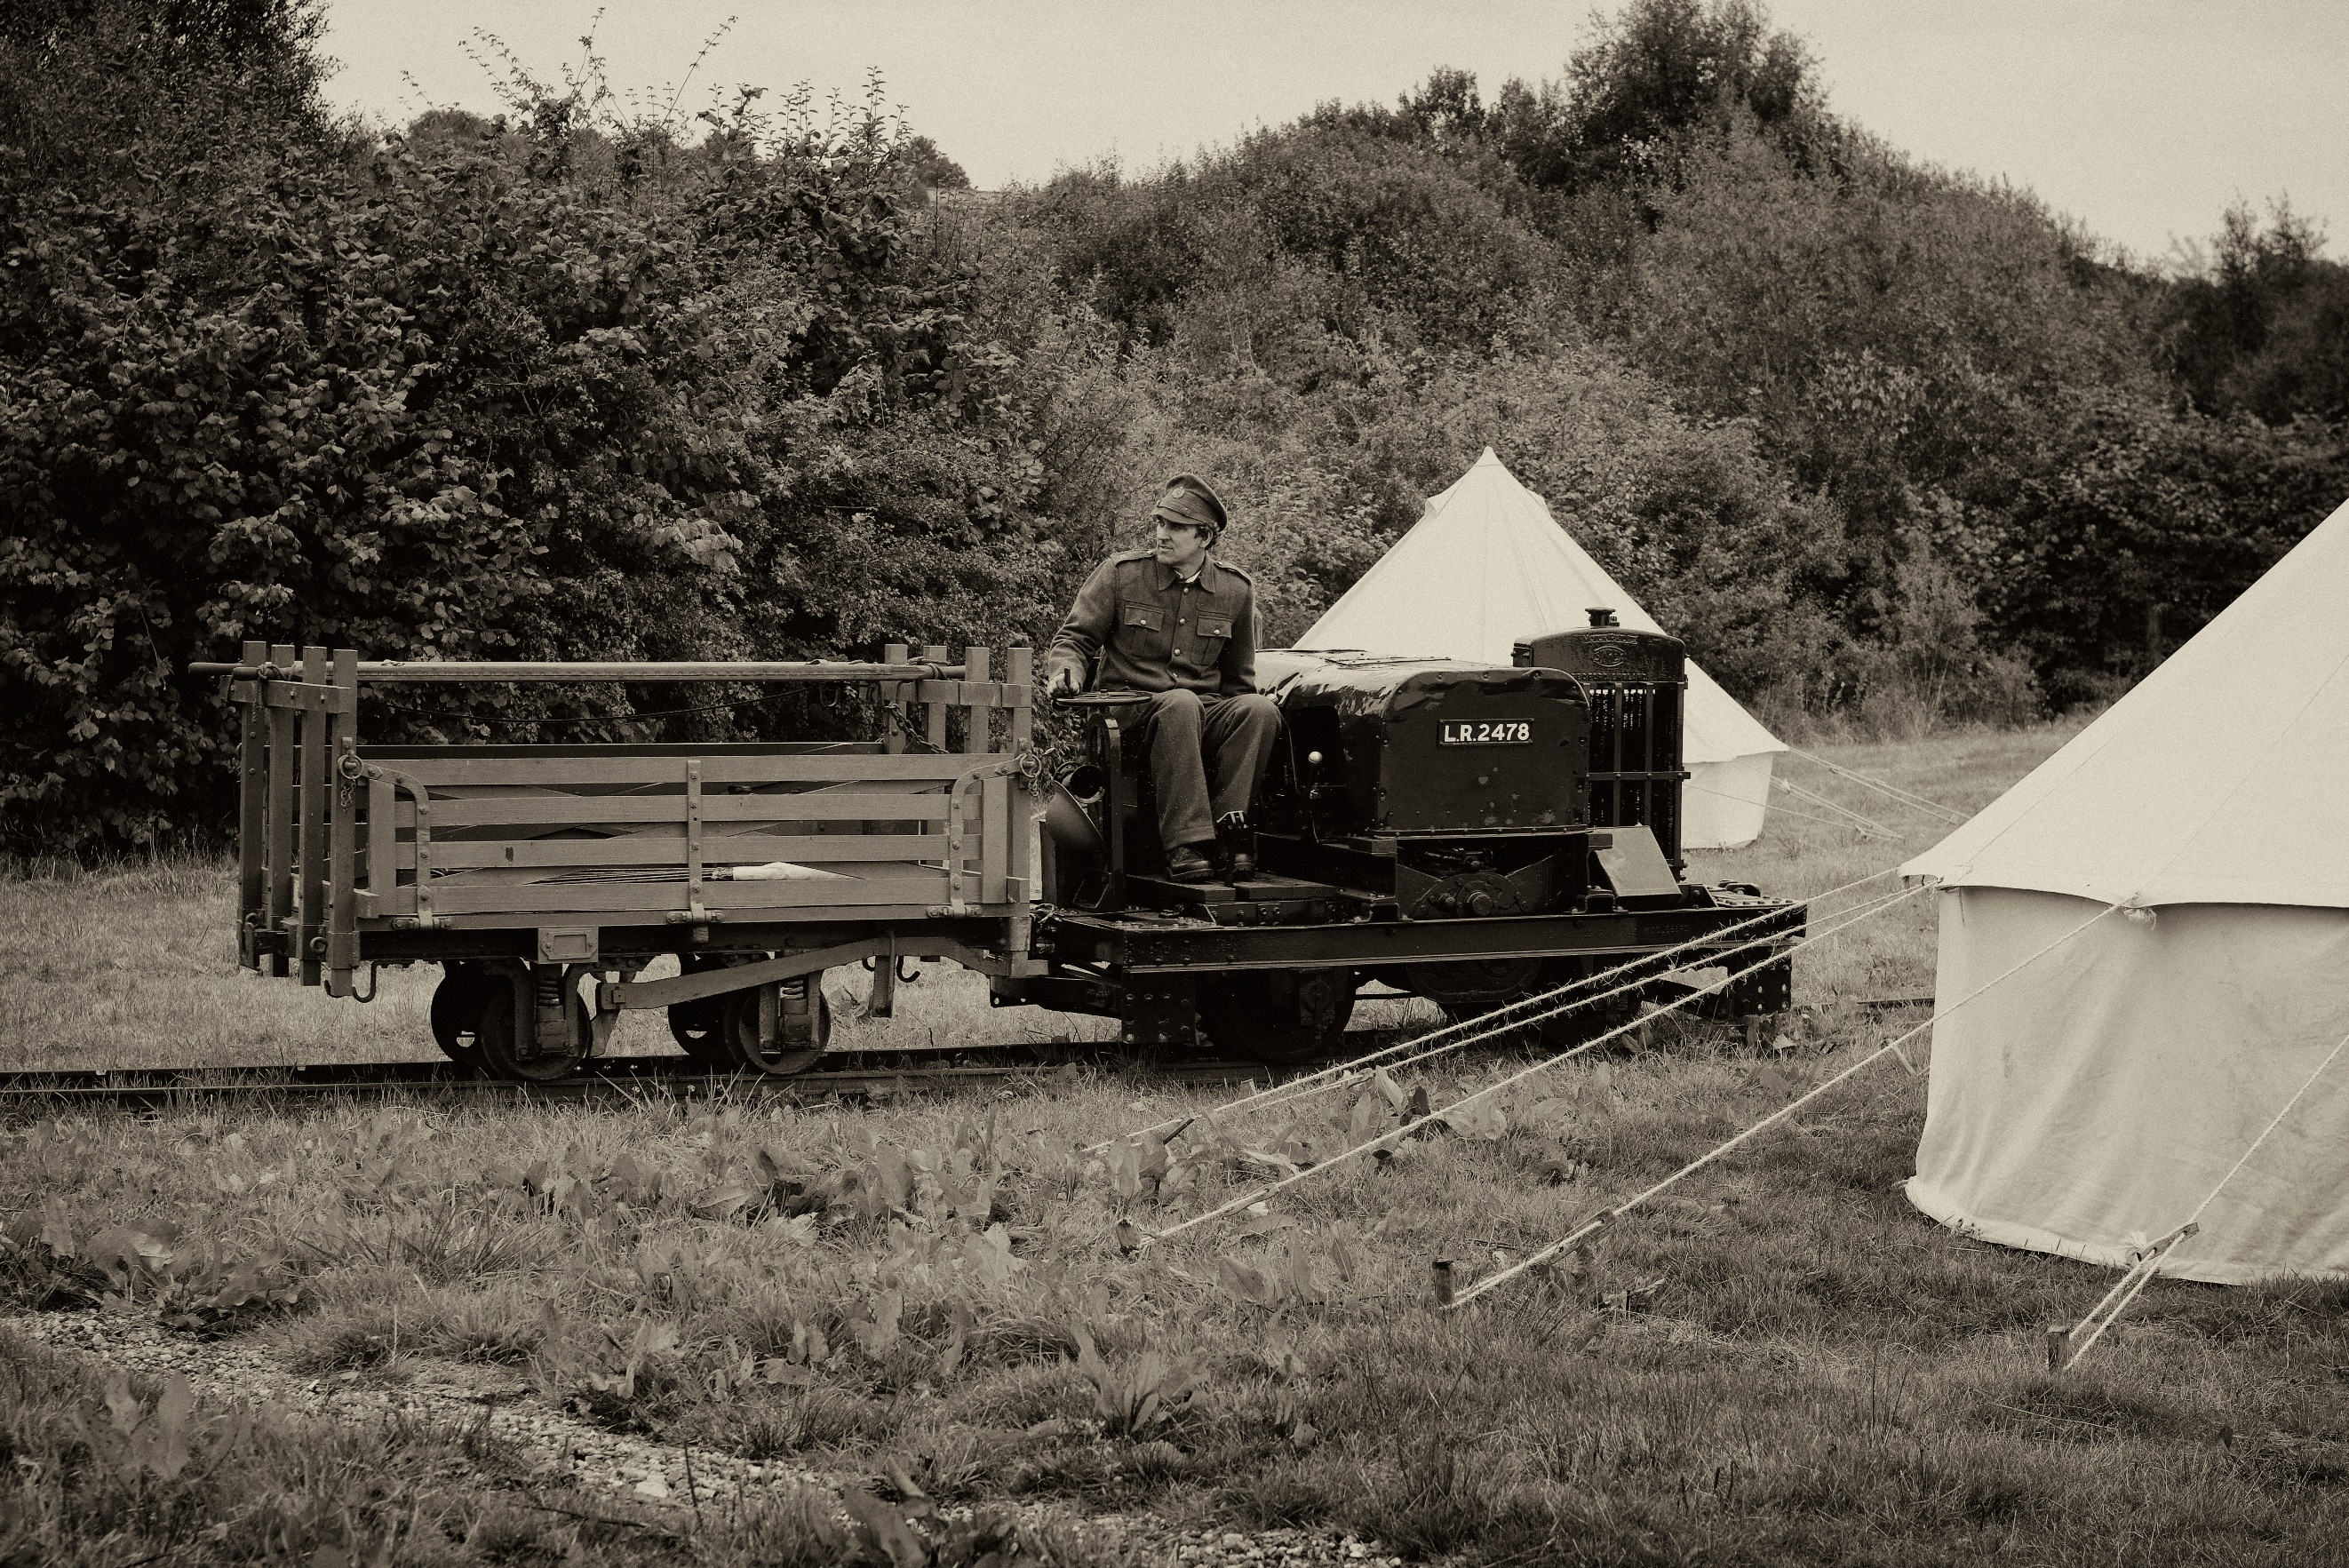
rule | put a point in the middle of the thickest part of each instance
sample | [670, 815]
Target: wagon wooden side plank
[455, 897]
[575, 773]
[572, 811]
[747, 849]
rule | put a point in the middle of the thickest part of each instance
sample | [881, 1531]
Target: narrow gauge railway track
[859, 1074]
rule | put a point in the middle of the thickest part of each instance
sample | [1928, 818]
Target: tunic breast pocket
[1213, 630]
[1142, 629]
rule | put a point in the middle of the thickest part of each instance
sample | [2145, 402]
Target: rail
[846, 1075]
[601, 1079]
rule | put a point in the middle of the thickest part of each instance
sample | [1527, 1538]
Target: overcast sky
[2143, 120]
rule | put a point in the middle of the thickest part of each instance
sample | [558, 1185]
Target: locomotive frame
[544, 878]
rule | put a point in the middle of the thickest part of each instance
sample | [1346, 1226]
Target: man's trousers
[1206, 757]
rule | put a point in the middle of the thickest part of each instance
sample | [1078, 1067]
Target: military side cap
[1189, 499]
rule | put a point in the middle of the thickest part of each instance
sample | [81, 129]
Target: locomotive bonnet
[1415, 747]
[1467, 772]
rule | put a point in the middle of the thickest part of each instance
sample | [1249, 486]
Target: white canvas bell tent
[1484, 568]
[2088, 1103]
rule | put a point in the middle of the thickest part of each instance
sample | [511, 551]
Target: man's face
[1181, 545]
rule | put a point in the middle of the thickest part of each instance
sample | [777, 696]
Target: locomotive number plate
[1491, 732]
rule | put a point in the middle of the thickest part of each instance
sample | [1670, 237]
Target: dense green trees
[1932, 373]
[517, 389]
[2266, 329]
[764, 383]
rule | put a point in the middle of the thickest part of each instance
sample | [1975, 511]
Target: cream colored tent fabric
[2092, 1100]
[1486, 567]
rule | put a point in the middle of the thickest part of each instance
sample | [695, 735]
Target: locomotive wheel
[1466, 987]
[739, 1033]
[1559, 1031]
[700, 1028]
[1279, 1015]
[457, 1003]
[496, 1033]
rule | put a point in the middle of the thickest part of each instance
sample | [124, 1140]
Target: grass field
[1779, 1362]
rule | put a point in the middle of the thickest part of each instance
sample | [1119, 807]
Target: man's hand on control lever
[1066, 682]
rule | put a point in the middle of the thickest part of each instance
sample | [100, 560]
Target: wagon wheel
[699, 1027]
[457, 1003]
[785, 1057]
[1280, 1015]
[496, 1033]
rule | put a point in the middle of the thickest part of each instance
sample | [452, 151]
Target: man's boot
[1185, 863]
[1236, 847]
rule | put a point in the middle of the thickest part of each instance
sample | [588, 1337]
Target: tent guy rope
[1345, 1072]
[1890, 1047]
[1871, 909]
[1451, 1046]
[1867, 824]
[2148, 1262]
[1891, 791]
[1789, 811]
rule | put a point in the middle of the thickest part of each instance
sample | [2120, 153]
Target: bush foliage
[768, 383]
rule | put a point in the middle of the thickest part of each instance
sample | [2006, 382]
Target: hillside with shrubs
[1888, 446]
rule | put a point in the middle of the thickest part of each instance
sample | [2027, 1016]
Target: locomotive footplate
[1167, 945]
[1264, 899]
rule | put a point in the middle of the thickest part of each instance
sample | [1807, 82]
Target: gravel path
[224, 1372]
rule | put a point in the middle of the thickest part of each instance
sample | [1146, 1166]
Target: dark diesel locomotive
[1470, 834]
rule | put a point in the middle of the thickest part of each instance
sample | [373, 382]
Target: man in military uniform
[1173, 621]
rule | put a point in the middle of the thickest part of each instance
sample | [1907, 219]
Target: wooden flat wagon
[544, 878]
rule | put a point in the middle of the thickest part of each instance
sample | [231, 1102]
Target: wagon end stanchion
[893, 701]
[310, 821]
[278, 848]
[253, 804]
[341, 749]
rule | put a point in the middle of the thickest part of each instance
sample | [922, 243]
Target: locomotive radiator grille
[1635, 763]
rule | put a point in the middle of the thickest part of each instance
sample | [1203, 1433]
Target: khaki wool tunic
[1154, 633]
